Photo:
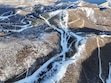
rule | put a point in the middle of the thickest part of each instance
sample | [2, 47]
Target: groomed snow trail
[54, 69]
[22, 26]
[109, 76]
[99, 58]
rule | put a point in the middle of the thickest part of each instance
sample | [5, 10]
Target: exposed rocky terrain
[61, 42]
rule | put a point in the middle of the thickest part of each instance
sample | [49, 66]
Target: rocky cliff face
[63, 43]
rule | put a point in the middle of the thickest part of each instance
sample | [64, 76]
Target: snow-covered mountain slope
[67, 42]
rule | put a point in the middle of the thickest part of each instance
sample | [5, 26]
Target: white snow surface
[54, 69]
[109, 76]
[59, 63]
[4, 16]
[89, 13]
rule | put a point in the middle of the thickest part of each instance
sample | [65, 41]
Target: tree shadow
[39, 61]
[16, 22]
[90, 67]
[25, 34]
[37, 30]
[88, 30]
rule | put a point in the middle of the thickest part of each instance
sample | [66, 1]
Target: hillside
[54, 42]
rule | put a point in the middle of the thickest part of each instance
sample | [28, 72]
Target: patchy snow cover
[89, 13]
[5, 16]
[25, 26]
[54, 69]
[81, 3]
[109, 3]
[57, 72]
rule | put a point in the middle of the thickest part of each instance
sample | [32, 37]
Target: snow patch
[103, 36]
[109, 76]
[6, 15]
[54, 69]
[89, 13]
[109, 3]
[100, 62]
